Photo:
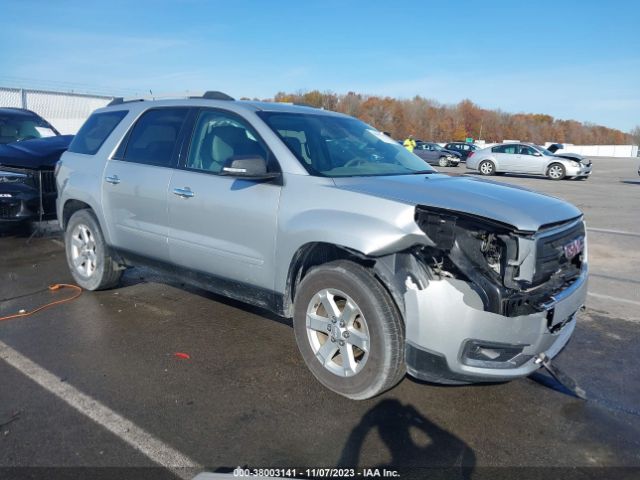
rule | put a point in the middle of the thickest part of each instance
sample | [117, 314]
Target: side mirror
[537, 154]
[250, 167]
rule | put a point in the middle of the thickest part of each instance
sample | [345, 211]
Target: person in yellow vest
[409, 143]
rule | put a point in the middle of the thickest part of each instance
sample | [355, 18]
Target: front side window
[544, 151]
[220, 137]
[336, 146]
[154, 137]
[95, 131]
[524, 150]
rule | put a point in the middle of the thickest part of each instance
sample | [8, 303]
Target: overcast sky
[570, 59]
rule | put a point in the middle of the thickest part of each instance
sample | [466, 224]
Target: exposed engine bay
[513, 272]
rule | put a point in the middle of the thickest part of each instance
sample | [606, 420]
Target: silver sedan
[527, 158]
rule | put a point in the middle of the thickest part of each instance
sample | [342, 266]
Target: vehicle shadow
[418, 447]
[631, 182]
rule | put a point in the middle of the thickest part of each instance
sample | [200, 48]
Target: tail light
[470, 155]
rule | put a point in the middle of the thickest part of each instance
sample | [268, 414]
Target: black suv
[29, 150]
[463, 148]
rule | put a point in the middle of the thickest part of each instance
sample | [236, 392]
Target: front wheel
[443, 162]
[556, 171]
[487, 167]
[88, 255]
[348, 330]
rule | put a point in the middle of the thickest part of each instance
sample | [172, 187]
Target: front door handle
[183, 192]
[114, 179]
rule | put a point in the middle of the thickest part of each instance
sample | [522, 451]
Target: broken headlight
[492, 251]
[12, 177]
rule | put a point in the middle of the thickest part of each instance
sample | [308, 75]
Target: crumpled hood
[574, 156]
[37, 153]
[524, 209]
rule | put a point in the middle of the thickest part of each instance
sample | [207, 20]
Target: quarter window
[154, 137]
[95, 131]
[219, 138]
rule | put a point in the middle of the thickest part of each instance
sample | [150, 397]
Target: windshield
[18, 127]
[435, 146]
[342, 146]
[544, 151]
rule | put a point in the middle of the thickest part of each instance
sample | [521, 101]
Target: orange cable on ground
[54, 287]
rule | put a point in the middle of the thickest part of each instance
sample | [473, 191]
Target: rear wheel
[348, 330]
[556, 171]
[487, 167]
[88, 255]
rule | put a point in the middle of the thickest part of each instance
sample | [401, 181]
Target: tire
[487, 167]
[556, 171]
[443, 162]
[348, 287]
[88, 255]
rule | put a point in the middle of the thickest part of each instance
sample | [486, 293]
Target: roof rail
[215, 95]
[120, 100]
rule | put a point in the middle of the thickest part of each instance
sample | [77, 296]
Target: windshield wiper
[424, 172]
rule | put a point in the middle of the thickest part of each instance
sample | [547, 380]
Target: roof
[250, 105]
[17, 111]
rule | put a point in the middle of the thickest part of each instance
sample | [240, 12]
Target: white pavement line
[57, 242]
[126, 430]
[614, 232]
[614, 299]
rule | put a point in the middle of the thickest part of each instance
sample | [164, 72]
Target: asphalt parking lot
[96, 382]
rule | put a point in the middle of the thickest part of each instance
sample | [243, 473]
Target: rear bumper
[451, 339]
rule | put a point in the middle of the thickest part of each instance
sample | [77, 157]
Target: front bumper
[581, 171]
[451, 339]
[20, 203]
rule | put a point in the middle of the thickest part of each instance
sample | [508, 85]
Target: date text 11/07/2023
[316, 472]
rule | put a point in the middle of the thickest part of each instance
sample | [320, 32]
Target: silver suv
[385, 265]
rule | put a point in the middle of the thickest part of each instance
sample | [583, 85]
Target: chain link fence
[65, 111]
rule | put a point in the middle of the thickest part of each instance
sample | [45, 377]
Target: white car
[528, 158]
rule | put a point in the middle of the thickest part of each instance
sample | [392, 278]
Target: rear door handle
[183, 192]
[114, 179]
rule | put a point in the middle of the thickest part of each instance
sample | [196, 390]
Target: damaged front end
[487, 297]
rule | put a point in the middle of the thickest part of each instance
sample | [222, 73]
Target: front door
[221, 225]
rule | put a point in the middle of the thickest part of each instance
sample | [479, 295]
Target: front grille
[48, 181]
[550, 257]
[9, 211]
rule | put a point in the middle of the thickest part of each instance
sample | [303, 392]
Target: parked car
[434, 154]
[463, 148]
[527, 158]
[29, 150]
[384, 264]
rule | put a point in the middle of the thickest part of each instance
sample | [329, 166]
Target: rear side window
[95, 131]
[505, 149]
[154, 137]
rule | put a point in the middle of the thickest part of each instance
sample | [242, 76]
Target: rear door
[220, 225]
[508, 157]
[136, 180]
